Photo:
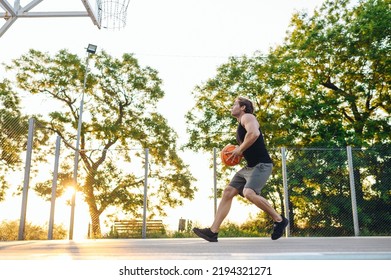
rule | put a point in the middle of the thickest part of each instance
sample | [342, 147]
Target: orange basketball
[225, 154]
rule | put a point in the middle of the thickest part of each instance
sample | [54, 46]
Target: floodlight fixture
[91, 48]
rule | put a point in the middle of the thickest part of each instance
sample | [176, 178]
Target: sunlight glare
[68, 194]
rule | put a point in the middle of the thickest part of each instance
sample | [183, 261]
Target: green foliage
[327, 85]
[121, 100]
[9, 231]
[339, 73]
[229, 229]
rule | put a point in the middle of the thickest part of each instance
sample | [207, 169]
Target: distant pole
[54, 188]
[26, 180]
[215, 179]
[145, 201]
[285, 184]
[91, 49]
[353, 191]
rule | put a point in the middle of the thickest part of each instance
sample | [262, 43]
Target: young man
[249, 181]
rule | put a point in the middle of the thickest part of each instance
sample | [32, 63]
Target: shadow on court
[329, 248]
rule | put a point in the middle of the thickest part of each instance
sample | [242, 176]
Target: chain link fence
[327, 192]
[59, 200]
[336, 192]
[16, 176]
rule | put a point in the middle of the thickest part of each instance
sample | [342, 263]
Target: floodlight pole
[91, 49]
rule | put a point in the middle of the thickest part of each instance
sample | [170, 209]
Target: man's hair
[245, 102]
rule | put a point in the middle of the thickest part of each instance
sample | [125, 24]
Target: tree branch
[330, 85]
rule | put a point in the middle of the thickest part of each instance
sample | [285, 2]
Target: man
[249, 181]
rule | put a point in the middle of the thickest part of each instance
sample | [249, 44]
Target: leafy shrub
[9, 231]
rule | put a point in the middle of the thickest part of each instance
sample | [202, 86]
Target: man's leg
[224, 207]
[261, 203]
[280, 222]
[211, 234]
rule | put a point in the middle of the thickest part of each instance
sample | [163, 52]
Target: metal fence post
[285, 184]
[215, 180]
[54, 188]
[144, 228]
[26, 182]
[353, 191]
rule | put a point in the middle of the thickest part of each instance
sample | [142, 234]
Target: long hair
[245, 102]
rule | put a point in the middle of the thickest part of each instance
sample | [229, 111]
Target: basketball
[225, 154]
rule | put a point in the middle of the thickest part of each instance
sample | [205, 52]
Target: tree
[339, 62]
[120, 113]
[327, 85]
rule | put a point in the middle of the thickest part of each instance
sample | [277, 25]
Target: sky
[184, 40]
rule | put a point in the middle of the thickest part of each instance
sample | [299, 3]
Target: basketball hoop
[113, 13]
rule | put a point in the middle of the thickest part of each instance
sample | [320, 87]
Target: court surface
[292, 248]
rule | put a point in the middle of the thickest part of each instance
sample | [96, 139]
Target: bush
[9, 231]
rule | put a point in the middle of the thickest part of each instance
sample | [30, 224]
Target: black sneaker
[279, 228]
[206, 234]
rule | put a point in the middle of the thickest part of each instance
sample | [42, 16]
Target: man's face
[236, 110]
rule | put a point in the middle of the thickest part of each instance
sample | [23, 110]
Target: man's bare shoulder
[249, 120]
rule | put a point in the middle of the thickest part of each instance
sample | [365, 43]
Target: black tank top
[257, 152]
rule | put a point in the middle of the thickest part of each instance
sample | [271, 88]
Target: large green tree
[326, 85]
[120, 114]
[329, 82]
[339, 68]
[340, 73]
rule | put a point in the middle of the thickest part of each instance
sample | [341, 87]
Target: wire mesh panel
[13, 140]
[372, 172]
[109, 185]
[320, 198]
[319, 192]
[30, 173]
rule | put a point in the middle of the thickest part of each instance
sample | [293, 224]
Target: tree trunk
[95, 230]
[95, 222]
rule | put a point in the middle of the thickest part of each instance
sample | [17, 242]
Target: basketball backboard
[11, 12]
[93, 10]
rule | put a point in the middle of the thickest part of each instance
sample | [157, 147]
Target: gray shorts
[252, 177]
